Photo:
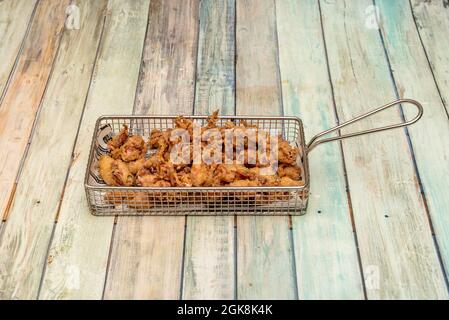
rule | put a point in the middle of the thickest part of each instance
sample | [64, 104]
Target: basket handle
[316, 141]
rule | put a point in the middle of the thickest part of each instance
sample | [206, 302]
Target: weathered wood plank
[264, 252]
[432, 20]
[146, 258]
[209, 249]
[25, 91]
[78, 255]
[215, 76]
[172, 25]
[15, 18]
[24, 244]
[430, 135]
[326, 256]
[395, 242]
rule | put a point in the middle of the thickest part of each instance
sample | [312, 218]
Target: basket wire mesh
[106, 200]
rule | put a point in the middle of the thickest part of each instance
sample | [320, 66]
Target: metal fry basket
[104, 200]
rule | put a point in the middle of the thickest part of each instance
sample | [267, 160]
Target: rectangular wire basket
[104, 200]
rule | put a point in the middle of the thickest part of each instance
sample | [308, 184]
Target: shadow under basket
[106, 200]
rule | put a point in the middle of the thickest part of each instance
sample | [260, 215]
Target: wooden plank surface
[15, 18]
[25, 91]
[327, 266]
[265, 268]
[280, 54]
[24, 244]
[215, 76]
[147, 252]
[430, 135]
[432, 20]
[396, 247]
[78, 256]
[209, 250]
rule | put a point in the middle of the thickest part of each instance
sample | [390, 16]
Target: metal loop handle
[315, 140]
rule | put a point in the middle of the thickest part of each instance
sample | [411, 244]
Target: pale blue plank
[429, 136]
[326, 257]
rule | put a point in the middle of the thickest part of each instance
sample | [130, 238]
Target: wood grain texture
[209, 250]
[146, 258]
[77, 261]
[432, 20]
[396, 247]
[215, 75]
[173, 27]
[326, 257]
[430, 135]
[15, 16]
[264, 253]
[25, 91]
[24, 244]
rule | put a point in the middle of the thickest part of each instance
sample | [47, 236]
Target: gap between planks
[77, 230]
[36, 115]
[418, 277]
[260, 239]
[214, 87]
[416, 152]
[427, 56]
[325, 252]
[282, 113]
[409, 141]
[42, 232]
[144, 96]
[345, 169]
[72, 158]
[22, 44]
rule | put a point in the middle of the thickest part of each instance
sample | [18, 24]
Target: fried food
[117, 141]
[115, 172]
[182, 178]
[245, 163]
[287, 153]
[115, 197]
[121, 174]
[199, 175]
[105, 168]
[135, 166]
[159, 138]
[184, 123]
[212, 120]
[268, 180]
[289, 182]
[140, 201]
[146, 179]
[134, 148]
[293, 172]
[246, 195]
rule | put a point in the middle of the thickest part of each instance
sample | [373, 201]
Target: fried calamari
[244, 153]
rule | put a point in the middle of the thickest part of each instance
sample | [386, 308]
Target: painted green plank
[264, 251]
[432, 20]
[326, 256]
[146, 257]
[396, 246]
[15, 18]
[24, 244]
[209, 249]
[429, 135]
[78, 254]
